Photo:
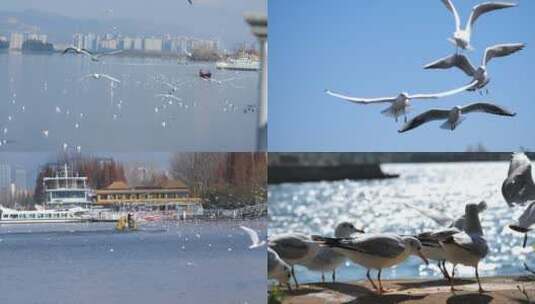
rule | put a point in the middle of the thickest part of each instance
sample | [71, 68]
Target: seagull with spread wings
[455, 116]
[480, 75]
[400, 103]
[77, 50]
[461, 37]
[102, 76]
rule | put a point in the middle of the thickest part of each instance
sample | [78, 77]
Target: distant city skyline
[206, 19]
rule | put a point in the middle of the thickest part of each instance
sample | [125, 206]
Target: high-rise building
[78, 40]
[16, 40]
[108, 44]
[127, 43]
[89, 42]
[138, 44]
[5, 176]
[152, 44]
[20, 180]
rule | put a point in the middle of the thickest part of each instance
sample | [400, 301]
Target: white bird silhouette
[400, 103]
[253, 235]
[461, 37]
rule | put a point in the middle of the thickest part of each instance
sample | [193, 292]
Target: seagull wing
[486, 108]
[290, 246]
[86, 52]
[437, 216]
[457, 60]
[110, 78]
[483, 8]
[443, 94]
[501, 50]
[473, 244]
[69, 49]
[253, 235]
[449, 5]
[379, 245]
[361, 100]
[527, 218]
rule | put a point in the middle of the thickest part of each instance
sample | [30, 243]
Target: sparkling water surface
[378, 206]
[49, 92]
[204, 262]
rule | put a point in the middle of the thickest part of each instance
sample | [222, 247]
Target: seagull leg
[334, 275]
[322, 277]
[452, 278]
[370, 279]
[478, 281]
[381, 289]
[295, 279]
[446, 274]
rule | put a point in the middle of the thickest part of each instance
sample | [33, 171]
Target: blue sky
[378, 48]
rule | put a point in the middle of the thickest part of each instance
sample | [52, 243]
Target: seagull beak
[357, 230]
[422, 257]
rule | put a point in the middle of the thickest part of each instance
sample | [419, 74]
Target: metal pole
[258, 23]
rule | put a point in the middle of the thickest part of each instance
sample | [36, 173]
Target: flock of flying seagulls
[480, 76]
[460, 240]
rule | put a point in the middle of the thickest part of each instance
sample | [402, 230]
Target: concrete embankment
[497, 290]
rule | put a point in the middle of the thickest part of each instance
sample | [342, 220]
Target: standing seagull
[294, 248]
[454, 117]
[518, 187]
[466, 248]
[461, 37]
[480, 74]
[400, 103]
[327, 259]
[253, 235]
[376, 251]
[277, 268]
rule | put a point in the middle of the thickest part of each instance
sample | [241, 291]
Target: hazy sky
[222, 18]
[378, 48]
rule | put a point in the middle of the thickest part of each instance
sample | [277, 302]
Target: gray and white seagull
[400, 103]
[461, 37]
[454, 117]
[480, 75]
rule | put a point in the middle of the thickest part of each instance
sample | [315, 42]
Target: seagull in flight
[4, 142]
[400, 103]
[102, 76]
[77, 50]
[171, 96]
[480, 74]
[256, 243]
[461, 37]
[454, 117]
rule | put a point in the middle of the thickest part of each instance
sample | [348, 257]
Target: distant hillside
[61, 28]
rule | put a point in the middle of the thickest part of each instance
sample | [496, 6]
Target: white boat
[67, 190]
[11, 216]
[240, 64]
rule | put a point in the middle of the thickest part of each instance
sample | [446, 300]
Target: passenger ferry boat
[11, 216]
[68, 200]
[240, 64]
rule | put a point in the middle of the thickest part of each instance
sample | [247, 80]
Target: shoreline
[499, 289]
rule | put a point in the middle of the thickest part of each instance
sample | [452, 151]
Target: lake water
[377, 206]
[50, 92]
[204, 262]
